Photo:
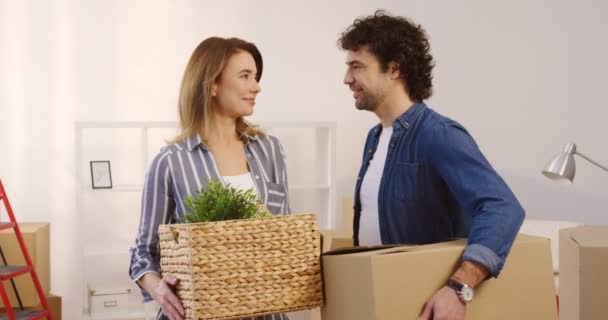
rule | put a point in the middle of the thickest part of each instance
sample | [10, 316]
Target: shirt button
[257, 177]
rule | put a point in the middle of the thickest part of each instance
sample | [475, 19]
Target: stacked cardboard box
[55, 306]
[583, 262]
[54, 302]
[36, 238]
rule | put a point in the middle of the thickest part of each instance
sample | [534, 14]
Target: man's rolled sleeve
[484, 256]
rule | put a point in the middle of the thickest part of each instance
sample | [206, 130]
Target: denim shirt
[437, 186]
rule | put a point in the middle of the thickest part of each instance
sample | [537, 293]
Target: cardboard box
[332, 240]
[583, 263]
[343, 236]
[36, 238]
[394, 283]
[55, 306]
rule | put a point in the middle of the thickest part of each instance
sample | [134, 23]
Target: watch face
[467, 293]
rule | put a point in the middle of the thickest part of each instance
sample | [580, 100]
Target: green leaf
[218, 203]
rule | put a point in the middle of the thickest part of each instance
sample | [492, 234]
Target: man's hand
[162, 291]
[444, 305]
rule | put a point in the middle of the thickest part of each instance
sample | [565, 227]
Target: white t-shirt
[241, 182]
[369, 226]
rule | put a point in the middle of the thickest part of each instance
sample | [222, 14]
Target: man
[423, 178]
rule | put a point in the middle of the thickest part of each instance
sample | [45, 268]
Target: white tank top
[369, 226]
[241, 182]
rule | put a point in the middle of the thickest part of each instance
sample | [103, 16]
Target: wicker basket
[243, 268]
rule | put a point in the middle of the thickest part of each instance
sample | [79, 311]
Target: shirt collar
[195, 140]
[249, 138]
[405, 119]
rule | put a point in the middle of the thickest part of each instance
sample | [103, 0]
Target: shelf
[109, 292]
[117, 188]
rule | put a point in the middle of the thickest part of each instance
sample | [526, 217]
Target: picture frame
[101, 174]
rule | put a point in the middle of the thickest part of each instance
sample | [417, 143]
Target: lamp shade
[562, 166]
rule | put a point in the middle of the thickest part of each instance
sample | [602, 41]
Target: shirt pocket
[277, 194]
[407, 182]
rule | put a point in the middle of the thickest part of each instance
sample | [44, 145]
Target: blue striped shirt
[181, 169]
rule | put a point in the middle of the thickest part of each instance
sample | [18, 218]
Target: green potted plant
[219, 203]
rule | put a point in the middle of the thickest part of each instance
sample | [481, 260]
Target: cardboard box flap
[443, 245]
[362, 249]
[413, 248]
[389, 249]
[30, 227]
[522, 237]
[396, 248]
[589, 236]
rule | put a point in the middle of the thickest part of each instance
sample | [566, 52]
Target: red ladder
[8, 272]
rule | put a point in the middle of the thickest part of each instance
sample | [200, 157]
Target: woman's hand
[162, 291]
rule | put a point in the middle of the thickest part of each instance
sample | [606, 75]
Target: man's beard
[366, 102]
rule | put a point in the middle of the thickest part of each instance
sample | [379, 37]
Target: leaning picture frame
[101, 174]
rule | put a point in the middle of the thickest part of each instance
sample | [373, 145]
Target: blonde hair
[204, 68]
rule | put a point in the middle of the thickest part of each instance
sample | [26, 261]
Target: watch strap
[464, 292]
[457, 286]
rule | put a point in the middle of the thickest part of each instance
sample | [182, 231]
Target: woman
[218, 90]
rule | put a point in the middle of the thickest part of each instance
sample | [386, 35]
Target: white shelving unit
[310, 149]
[111, 216]
[319, 139]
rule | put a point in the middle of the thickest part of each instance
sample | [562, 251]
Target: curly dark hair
[398, 39]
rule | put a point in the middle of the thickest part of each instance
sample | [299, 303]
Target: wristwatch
[464, 292]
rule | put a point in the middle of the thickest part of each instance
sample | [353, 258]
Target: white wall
[524, 77]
